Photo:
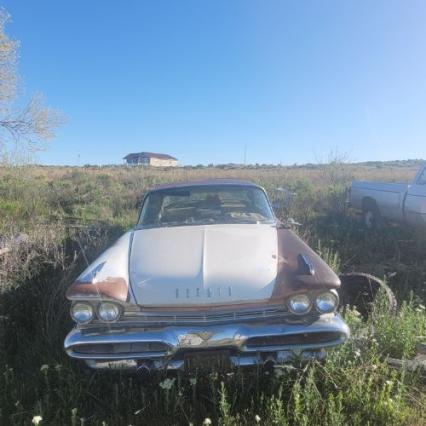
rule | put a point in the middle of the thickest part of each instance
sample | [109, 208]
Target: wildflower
[207, 422]
[36, 420]
[167, 384]
[257, 418]
[74, 412]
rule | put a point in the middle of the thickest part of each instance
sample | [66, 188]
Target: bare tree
[22, 130]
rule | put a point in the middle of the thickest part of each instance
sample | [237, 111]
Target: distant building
[150, 159]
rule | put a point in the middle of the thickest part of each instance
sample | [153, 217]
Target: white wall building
[151, 159]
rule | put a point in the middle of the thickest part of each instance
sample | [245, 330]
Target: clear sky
[291, 80]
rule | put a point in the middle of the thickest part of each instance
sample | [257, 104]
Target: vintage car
[208, 278]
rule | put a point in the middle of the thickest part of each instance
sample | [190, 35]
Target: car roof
[205, 182]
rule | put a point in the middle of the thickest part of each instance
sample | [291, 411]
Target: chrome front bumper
[165, 348]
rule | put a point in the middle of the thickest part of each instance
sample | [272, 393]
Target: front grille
[120, 348]
[323, 337]
[203, 317]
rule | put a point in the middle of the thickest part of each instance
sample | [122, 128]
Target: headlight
[299, 304]
[82, 313]
[326, 302]
[108, 311]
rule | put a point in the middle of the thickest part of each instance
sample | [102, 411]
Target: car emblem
[205, 335]
[194, 339]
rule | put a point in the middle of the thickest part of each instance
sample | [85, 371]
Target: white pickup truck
[400, 202]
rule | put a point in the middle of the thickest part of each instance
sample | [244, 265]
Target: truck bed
[389, 197]
[381, 186]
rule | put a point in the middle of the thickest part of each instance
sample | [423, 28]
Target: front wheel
[359, 290]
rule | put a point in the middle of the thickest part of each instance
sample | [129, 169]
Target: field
[65, 216]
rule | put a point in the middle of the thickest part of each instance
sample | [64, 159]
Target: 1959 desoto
[208, 278]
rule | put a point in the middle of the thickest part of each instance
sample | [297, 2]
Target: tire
[359, 290]
[371, 216]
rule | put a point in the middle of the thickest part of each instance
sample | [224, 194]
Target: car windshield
[203, 205]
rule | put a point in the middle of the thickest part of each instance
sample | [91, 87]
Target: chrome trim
[239, 361]
[308, 267]
[181, 339]
[130, 286]
[203, 316]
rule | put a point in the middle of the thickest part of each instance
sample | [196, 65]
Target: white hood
[203, 265]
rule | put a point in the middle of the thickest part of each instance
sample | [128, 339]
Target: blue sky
[291, 80]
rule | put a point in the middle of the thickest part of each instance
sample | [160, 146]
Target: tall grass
[354, 386]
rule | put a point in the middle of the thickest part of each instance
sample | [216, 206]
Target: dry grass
[355, 386]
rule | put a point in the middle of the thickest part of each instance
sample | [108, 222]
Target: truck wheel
[359, 290]
[371, 216]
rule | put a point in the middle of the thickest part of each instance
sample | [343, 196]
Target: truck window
[422, 178]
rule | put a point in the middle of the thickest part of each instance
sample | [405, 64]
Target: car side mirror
[282, 199]
[291, 222]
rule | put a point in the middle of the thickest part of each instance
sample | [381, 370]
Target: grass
[354, 386]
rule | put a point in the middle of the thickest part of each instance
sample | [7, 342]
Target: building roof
[205, 182]
[150, 155]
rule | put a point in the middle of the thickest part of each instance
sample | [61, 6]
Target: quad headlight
[299, 304]
[108, 312]
[326, 302]
[82, 313]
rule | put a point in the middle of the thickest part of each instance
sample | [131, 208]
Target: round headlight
[326, 302]
[299, 304]
[82, 313]
[108, 311]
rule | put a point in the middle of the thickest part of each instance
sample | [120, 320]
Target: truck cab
[415, 200]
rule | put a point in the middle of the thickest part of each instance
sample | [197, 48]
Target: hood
[204, 265]
[106, 277]
[198, 266]
[300, 268]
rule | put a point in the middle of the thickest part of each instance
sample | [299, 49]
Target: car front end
[183, 340]
[228, 293]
